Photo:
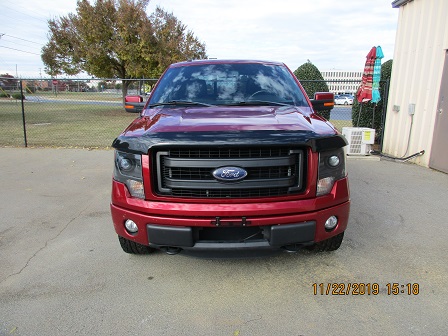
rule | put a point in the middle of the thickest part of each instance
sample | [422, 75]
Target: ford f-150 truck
[230, 155]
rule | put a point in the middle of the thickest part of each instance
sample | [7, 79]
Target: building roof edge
[398, 3]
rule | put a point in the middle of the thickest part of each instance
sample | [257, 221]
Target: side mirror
[323, 101]
[134, 104]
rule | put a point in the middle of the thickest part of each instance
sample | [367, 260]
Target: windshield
[228, 84]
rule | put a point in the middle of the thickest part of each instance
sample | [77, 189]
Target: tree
[312, 81]
[174, 42]
[117, 39]
[372, 114]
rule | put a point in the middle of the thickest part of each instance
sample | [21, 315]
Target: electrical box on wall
[360, 140]
[411, 109]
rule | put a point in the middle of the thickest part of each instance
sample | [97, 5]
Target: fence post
[23, 114]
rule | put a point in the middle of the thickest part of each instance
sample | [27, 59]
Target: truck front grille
[229, 153]
[188, 172]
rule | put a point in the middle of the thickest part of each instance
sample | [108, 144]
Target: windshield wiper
[179, 103]
[260, 103]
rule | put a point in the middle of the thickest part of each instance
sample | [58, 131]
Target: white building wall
[421, 41]
[342, 81]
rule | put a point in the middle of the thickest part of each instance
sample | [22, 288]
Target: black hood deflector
[142, 144]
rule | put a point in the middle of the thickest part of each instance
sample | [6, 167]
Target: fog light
[331, 223]
[130, 226]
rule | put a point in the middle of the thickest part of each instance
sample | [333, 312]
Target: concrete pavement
[62, 271]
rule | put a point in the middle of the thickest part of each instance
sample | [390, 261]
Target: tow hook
[171, 250]
[293, 248]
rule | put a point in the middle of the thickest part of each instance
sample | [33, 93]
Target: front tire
[131, 247]
[331, 244]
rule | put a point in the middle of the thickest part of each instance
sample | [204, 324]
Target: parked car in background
[343, 100]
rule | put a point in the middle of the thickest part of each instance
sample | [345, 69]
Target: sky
[333, 35]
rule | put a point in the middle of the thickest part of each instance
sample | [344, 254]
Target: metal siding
[438, 158]
[422, 37]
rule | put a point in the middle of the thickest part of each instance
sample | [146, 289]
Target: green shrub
[370, 110]
[312, 81]
[4, 95]
[17, 95]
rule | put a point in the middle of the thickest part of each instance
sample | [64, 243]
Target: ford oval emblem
[229, 174]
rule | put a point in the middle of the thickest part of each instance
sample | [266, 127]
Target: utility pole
[17, 76]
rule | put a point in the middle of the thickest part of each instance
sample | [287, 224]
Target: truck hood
[235, 118]
[238, 125]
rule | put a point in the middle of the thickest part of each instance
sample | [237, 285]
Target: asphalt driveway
[62, 271]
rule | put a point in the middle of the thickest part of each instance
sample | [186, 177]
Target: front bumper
[230, 226]
[274, 236]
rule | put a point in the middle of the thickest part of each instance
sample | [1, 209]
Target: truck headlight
[128, 170]
[331, 169]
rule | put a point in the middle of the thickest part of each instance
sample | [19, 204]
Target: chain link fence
[87, 113]
[65, 113]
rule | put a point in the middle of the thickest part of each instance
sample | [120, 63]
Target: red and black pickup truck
[230, 155]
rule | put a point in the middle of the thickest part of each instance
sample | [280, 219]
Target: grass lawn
[62, 124]
[70, 121]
